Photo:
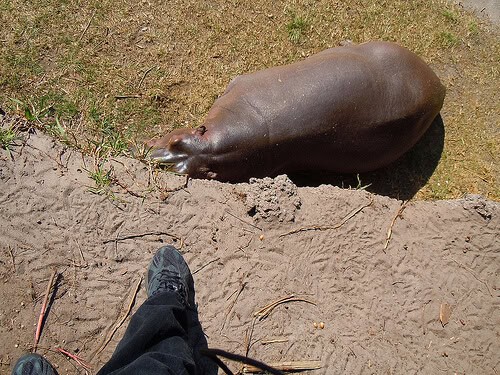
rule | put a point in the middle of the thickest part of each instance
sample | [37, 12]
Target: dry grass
[109, 72]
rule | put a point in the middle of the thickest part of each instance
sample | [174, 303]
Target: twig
[230, 307]
[74, 264]
[131, 236]
[120, 97]
[120, 322]
[349, 216]
[183, 187]
[75, 358]
[144, 77]
[205, 265]
[275, 341]
[243, 221]
[477, 175]
[248, 337]
[80, 250]
[289, 366]
[266, 310]
[389, 231]
[41, 318]
[86, 27]
[12, 258]
[473, 274]
[58, 162]
[125, 187]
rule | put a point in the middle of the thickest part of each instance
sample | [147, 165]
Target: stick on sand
[43, 310]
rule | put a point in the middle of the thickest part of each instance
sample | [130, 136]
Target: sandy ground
[484, 8]
[380, 307]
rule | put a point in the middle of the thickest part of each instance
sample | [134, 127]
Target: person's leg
[156, 340]
[164, 335]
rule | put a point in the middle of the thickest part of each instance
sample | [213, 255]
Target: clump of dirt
[272, 199]
[477, 203]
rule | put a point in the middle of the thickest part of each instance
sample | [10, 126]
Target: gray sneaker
[169, 272]
[33, 364]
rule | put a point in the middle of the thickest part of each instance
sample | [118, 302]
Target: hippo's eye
[174, 141]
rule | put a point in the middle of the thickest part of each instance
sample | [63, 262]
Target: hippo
[348, 109]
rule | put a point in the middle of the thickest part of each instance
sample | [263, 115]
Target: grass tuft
[57, 130]
[102, 178]
[9, 138]
[450, 16]
[448, 39]
[31, 112]
[110, 141]
[473, 28]
[296, 28]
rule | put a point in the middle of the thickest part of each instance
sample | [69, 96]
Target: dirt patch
[380, 308]
[484, 8]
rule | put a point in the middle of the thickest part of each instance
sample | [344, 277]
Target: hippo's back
[347, 109]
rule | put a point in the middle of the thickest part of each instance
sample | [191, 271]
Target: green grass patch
[448, 39]
[450, 16]
[296, 28]
[102, 178]
[473, 28]
[108, 140]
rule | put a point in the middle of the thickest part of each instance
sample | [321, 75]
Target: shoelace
[170, 281]
[214, 353]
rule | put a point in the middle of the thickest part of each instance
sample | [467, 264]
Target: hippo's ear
[200, 130]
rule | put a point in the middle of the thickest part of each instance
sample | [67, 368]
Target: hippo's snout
[177, 161]
[164, 155]
[180, 148]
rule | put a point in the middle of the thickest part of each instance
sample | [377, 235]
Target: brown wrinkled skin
[347, 109]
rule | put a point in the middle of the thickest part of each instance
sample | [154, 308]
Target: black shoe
[33, 364]
[169, 272]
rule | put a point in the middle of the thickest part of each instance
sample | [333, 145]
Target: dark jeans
[163, 337]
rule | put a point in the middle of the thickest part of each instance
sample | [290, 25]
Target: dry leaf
[444, 313]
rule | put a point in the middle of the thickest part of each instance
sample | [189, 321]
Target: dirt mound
[248, 245]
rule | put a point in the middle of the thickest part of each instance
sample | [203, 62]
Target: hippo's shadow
[402, 179]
